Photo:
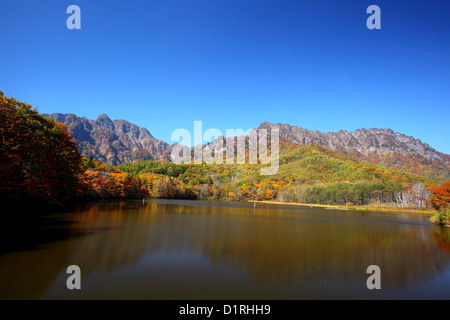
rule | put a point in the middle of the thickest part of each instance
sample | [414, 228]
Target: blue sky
[163, 64]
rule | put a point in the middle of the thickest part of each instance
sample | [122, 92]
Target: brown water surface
[174, 249]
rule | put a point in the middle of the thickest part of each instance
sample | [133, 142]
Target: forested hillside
[378, 146]
[309, 174]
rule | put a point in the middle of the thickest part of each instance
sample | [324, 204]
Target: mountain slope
[380, 141]
[308, 174]
[114, 142]
[378, 146]
[317, 163]
[117, 142]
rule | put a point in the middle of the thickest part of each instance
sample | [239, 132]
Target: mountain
[379, 146]
[119, 141]
[380, 141]
[374, 146]
[113, 141]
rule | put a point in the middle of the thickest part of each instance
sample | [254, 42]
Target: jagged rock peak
[115, 141]
[374, 140]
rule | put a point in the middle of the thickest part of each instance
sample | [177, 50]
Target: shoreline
[428, 212]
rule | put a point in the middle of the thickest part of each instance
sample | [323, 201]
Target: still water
[174, 249]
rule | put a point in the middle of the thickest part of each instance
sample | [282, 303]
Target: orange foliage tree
[440, 196]
[102, 181]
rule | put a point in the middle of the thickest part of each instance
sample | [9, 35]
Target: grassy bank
[428, 212]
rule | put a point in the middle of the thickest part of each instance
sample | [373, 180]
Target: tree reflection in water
[224, 246]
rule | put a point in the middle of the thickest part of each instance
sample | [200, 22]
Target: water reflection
[442, 237]
[190, 250]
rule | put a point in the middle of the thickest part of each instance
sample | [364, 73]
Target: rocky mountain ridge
[365, 141]
[119, 141]
[113, 141]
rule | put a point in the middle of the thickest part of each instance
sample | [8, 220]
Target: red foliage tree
[440, 196]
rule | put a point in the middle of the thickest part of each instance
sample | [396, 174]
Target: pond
[177, 249]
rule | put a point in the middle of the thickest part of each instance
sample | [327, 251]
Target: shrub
[441, 217]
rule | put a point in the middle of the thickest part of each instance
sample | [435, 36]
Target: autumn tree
[440, 196]
[39, 160]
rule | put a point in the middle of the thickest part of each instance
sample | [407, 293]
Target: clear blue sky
[162, 64]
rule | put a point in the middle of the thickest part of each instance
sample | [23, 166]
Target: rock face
[365, 141]
[118, 141]
[113, 141]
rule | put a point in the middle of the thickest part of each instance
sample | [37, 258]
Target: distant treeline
[164, 168]
[359, 194]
